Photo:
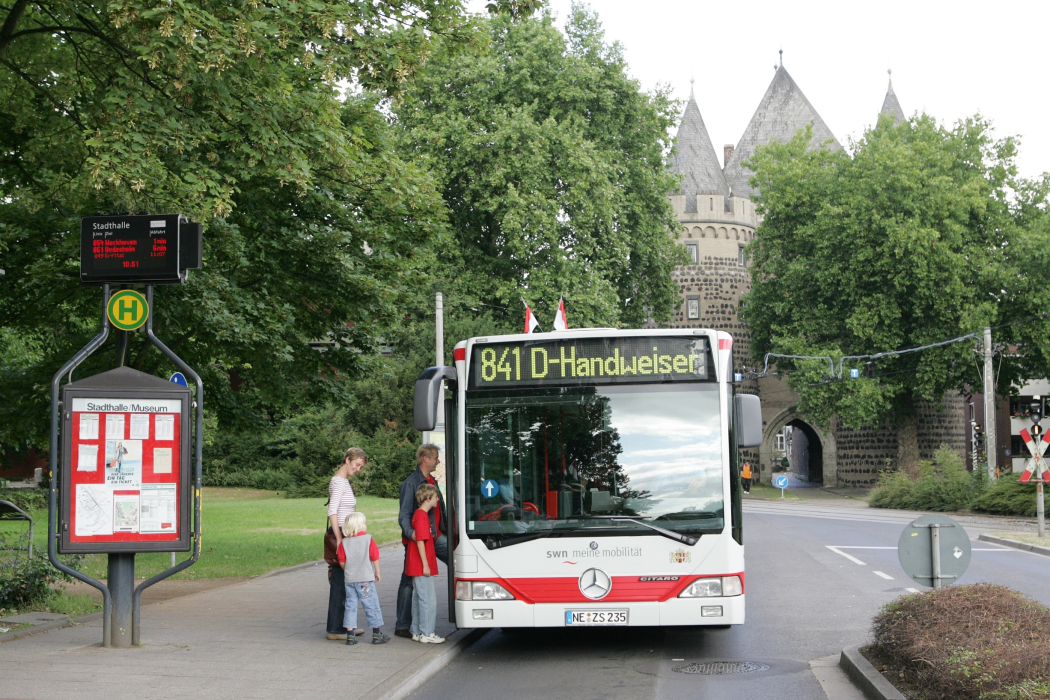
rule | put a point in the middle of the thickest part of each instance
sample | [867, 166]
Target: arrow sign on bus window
[489, 488]
[1036, 463]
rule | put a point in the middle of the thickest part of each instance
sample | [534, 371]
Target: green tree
[912, 240]
[551, 162]
[263, 121]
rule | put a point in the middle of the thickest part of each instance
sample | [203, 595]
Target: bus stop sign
[934, 549]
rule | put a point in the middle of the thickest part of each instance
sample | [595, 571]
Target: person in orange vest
[745, 477]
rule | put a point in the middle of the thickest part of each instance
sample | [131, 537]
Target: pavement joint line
[852, 558]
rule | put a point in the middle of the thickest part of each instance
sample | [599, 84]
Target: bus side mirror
[428, 393]
[748, 420]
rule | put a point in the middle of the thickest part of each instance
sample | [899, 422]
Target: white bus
[593, 478]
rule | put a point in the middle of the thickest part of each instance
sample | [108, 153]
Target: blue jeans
[404, 589]
[424, 606]
[367, 593]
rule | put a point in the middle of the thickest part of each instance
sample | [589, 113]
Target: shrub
[24, 581]
[942, 485]
[26, 499]
[391, 458]
[1007, 497]
[967, 642]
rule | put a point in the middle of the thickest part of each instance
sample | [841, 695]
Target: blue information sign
[780, 481]
[489, 488]
[178, 378]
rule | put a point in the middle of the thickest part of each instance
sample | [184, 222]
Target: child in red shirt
[421, 565]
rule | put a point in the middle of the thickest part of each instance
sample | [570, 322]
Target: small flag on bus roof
[560, 322]
[531, 323]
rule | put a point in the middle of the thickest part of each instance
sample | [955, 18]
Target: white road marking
[912, 590]
[853, 559]
[973, 549]
[885, 576]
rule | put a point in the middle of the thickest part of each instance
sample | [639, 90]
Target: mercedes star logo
[595, 584]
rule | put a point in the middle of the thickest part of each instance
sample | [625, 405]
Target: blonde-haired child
[359, 557]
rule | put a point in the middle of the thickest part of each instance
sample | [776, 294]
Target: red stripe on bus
[625, 589]
[725, 344]
[459, 354]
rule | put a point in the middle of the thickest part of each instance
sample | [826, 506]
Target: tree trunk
[908, 442]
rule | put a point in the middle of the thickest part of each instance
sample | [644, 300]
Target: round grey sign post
[934, 549]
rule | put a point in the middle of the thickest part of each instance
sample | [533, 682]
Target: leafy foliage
[916, 238]
[942, 485]
[25, 581]
[551, 162]
[1007, 497]
[262, 121]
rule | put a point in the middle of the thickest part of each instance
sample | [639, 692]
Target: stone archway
[820, 447]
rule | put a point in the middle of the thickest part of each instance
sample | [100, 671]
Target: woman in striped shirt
[341, 503]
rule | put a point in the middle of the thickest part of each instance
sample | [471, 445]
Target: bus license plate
[581, 618]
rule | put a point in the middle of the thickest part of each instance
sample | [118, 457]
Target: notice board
[125, 477]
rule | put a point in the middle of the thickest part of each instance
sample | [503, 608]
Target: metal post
[198, 447]
[991, 448]
[52, 521]
[935, 547]
[1039, 508]
[439, 321]
[121, 582]
[122, 347]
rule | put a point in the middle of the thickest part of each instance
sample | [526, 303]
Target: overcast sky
[950, 60]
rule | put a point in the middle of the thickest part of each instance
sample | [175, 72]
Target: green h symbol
[127, 307]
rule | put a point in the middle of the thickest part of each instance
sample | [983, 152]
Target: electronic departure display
[137, 248]
[584, 361]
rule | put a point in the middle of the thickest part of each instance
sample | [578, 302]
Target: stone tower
[718, 220]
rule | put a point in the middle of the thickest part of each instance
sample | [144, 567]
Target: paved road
[805, 601]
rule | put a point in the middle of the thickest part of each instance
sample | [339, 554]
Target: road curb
[1033, 548]
[48, 626]
[401, 688]
[867, 679]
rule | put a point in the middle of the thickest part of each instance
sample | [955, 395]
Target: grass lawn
[248, 532]
[765, 492]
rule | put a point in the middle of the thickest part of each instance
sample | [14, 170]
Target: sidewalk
[264, 638]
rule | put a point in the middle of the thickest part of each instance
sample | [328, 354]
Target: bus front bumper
[673, 612]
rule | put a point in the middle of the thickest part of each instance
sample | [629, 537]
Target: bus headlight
[713, 588]
[481, 590]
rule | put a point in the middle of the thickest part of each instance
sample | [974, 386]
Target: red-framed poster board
[125, 472]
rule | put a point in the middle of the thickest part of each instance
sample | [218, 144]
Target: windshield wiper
[497, 542]
[669, 534]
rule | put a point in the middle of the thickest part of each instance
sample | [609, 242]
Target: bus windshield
[593, 461]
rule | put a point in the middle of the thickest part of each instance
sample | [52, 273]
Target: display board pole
[198, 453]
[52, 520]
[121, 581]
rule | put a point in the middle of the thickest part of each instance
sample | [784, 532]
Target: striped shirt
[341, 498]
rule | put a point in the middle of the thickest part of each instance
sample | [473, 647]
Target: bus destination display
[130, 248]
[583, 361]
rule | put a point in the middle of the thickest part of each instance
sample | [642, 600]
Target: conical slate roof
[695, 158]
[781, 113]
[891, 106]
